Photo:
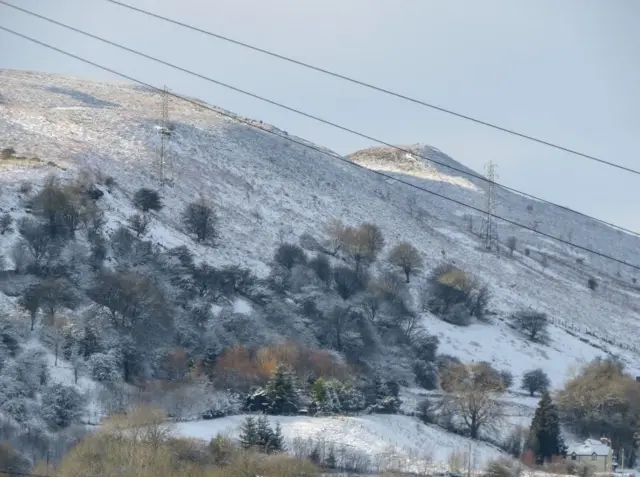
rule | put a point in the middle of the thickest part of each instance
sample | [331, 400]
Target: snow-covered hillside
[268, 189]
[397, 442]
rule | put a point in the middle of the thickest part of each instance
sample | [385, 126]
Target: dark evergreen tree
[249, 433]
[277, 443]
[545, 438]
[265, 434]
[282, 392]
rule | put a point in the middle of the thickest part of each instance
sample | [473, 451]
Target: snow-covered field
[388, 441]
[267, 189]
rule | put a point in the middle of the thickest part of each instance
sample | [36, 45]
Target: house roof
[589, 447]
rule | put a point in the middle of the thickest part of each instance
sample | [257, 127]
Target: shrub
[485, 375]
[503, 467]
[512, 242]
[532, 323]
[592, 283]
[535, 381]
[147, 199]
[426, 375]
[348, 282]
[12, 462]
[455, 296]
[200, 219]
[426, 348]
[425, 412]
[288, 255]
[322, 268]
[236, 279]
[507, 378]
[5, 223]
[8, 152]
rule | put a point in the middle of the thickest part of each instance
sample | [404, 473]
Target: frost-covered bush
[455, 295]
[351, 398]
[426, 348]
[222, 404]
[103, 367]
[426, 375]
[9, 335]
[288, 255]
[322, 268]
[16, 408]
[61, 405]
[12, 388]
[31, 369]
[458, 314]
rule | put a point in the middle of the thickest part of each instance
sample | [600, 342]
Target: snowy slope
[388, 441]
[264, 184]
[267, 188]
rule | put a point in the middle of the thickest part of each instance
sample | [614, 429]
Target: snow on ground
[61, 371]
[268, 189]
[386, 439]
[505, 349]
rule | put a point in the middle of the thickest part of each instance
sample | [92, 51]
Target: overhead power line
[376, 88]
[315, 118]
[317, 149]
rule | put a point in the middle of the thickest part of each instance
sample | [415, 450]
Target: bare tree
[137, 310]
[364, 243]
[200, 219]
[31, 302]
[341, 321]
[139, 223]
[348, 282]
[407, 257]
[372, 302]
[37, 238]
[60, 207]
[512, 242]
[532, 323]
[475, 402]
[335, 231]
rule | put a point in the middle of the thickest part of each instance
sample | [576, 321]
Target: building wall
[599, 465]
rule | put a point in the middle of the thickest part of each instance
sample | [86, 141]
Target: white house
[593, 452]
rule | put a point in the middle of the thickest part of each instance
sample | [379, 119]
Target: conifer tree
[282, 392]
[265, 433]
[277, 444]
[249, 433]
[545, 438]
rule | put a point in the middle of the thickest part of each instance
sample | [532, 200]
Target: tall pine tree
[249, 436]
[277, 443]
[282, 392]
[545, 438]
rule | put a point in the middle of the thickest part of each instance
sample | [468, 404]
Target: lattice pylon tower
[164, 153]
[489, 224]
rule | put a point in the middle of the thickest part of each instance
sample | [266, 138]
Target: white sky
[566, 71]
